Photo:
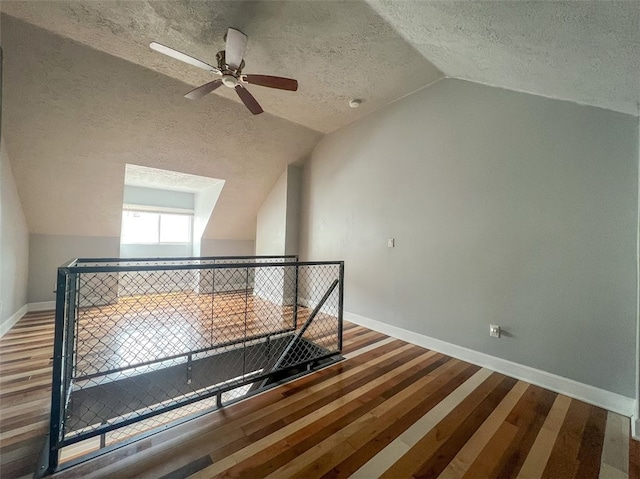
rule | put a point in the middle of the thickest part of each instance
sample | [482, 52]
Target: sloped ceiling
[84, 94]
[336, 50]
[73, 117]
[379, 50]
[583, 51]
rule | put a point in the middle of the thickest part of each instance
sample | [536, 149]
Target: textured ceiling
[379, 50]
[74, 117]
[147, 177]
[583, 51]
[336, 50]
[84, 94]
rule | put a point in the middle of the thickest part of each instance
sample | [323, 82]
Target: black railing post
[189, 368]
[295, 298]
[246, 308]
[340, 306]
[103, 437]
[74, 348]
[213, 305]
[55, 427]
[73, 304]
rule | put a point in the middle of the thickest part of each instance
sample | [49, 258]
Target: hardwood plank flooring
[390, 409]
[634, 459]
[25, 392]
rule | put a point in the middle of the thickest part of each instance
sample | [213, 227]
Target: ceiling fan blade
[272, 82]
[234, 49]
[182, 57]
[203, 90]
[248, 100]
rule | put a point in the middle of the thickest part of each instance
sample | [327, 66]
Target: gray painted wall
[271, 224]
[294, 198]
[277, 233]
[637, 410]
[14, 240]
[278, 222]
[211, 247]
[204, 203]
[155, 250]
[506, 208]
[47, 252]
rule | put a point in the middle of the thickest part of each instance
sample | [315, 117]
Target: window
[151, 227]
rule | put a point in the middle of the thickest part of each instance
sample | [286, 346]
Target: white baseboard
[13, 319]
[311, 304]
[590, 394]
[42, 306]
[305, 302]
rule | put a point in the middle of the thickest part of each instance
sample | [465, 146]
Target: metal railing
[143, 342]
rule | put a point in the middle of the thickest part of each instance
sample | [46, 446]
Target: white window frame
[161, 210]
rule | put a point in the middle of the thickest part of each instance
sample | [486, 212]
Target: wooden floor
[389, 410]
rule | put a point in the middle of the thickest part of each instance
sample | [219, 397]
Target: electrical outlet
[391, 243]
[494, 330]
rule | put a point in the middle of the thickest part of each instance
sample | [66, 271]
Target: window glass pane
[175, 228]
[139, 227]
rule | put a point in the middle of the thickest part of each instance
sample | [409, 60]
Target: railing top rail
[71, 262]
[79, 261]
[194, 266]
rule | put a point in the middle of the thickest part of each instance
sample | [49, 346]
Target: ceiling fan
[230, 65]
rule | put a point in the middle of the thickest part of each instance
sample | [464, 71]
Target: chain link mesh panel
[318, 316]
[151, 342]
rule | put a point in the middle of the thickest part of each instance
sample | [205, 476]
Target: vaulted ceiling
[74, 117]
[582, 51]
[336, 50]
[84, 94]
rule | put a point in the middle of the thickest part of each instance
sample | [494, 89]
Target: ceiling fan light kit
[230, 64]
[229, 80]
